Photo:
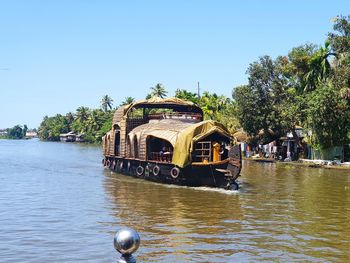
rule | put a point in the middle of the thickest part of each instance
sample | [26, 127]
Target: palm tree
[82, 114]
[127, 100]
[94, 120]
[320, 67]
[186, 95]
[222, 102]
[208, 104]
[106, 103]
[158, 91]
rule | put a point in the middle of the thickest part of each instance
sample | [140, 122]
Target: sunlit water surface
[58, 204]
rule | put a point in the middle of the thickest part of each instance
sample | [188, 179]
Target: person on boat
[223, 152]
[164, 154]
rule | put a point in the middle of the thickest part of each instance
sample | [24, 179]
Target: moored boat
[167, 141]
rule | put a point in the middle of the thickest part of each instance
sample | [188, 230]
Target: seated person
[164, 154]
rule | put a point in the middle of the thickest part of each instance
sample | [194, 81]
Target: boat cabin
[166, 140]
[150, 130]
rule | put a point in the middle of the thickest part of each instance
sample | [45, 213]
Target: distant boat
[31, 134]
[166, 140]
[71, 137]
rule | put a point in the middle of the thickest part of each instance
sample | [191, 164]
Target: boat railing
[175, 115]
[161, 157]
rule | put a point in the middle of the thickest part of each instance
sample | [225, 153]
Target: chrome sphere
[126, 241]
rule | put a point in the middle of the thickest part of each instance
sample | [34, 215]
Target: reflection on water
[57, 203]
[280, 213]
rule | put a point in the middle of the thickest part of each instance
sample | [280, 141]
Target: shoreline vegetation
[94, 123]
[17, 132]
[309, 87]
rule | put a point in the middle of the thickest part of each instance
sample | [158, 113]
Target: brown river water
[58, 204]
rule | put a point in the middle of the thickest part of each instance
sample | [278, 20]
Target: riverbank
[324, 164]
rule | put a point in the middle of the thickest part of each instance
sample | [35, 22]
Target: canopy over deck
[167, 103]
[165, 129]
[192, 134]
[181, 135]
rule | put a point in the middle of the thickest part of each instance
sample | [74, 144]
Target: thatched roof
[180, 134]
[155, 102]
[196, 132]
[241, 136]
[120, 112]
[167, 103]
[167, 129]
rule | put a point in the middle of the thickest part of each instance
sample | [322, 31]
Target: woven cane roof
[155, 102]
[165, 129]
[173, 103]
[120, 112]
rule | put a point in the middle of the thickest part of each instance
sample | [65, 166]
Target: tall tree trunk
[296, 138]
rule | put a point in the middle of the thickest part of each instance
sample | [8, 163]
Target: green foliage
[51, 127]
[106, 103]
[259, 104]
[319, 68]
[158, 91]
[128, 100]
[16, 132]
[92, 123]
[309, 87]
[219, 108]
[340, 43]
[340, 39]
[328, 116]
[187, 95]
[245, 99]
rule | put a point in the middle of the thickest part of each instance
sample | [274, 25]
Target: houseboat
[71, 137]
[167, 141]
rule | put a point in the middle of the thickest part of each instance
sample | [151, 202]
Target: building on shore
[31, 134]
[71, 137]
[292, 148]
[3, 132]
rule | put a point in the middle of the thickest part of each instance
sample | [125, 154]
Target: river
[57, 203]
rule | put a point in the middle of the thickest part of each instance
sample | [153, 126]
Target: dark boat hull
[210, 175]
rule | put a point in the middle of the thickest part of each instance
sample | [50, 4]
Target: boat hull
[210, 175]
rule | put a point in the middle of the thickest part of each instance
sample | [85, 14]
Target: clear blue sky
[58, 55]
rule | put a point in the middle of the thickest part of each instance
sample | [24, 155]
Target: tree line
[308, 87]
[93, 123]
[16, 132]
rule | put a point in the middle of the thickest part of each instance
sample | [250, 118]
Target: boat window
[128, 145]
[202, 152]
[117, 143]
[136, 113]
[213, 148]
[136, 148]
[159, 150]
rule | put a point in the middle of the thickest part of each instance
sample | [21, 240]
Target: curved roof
[180, 134]
[119, 113]
[192, 134]
[155, 102]
[241, 135]
[164, 129]
[173, 103]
